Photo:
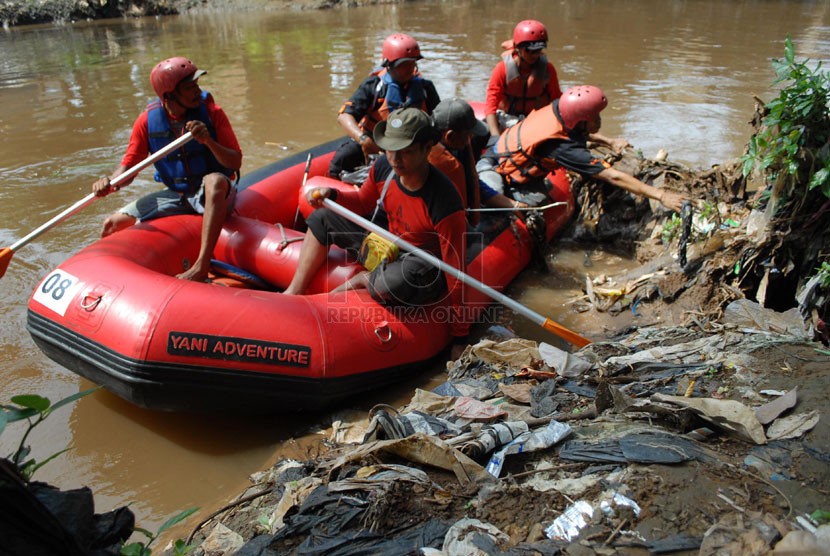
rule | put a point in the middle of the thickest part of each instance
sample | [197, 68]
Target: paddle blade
[5, 258]
[567, 335]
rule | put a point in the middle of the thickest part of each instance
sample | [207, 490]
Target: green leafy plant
[709, 210]
[671, 229]
[180, 548]
[793, 147]
[820, 516]
[823, 272]
[33, 409]
[264, 523]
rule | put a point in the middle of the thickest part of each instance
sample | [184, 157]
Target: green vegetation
[820, 516]
[790, 155]
[709, 211]
[22, 12]
[34, 410]
[671, 229]
[824, 274]
[793, 149]
[180, 548]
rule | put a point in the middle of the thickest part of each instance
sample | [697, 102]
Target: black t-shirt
[572, 154]
[360, 103]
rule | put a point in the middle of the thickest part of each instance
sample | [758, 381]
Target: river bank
[27, 12]
[612, 472]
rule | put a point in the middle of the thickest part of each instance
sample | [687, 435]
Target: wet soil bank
[26, 12]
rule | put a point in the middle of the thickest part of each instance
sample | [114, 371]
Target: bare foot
[194, 275]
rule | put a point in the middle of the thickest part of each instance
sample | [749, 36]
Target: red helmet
[581, 104]
[529, 30]
[169, 73]
[400, 46]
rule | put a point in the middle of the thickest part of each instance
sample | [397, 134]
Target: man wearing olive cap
[422, 207]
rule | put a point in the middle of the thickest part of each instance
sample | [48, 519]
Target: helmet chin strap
[173, 98]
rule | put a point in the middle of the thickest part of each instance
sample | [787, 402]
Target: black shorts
[408, 280]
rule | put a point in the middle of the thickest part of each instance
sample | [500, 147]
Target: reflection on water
[680, 75]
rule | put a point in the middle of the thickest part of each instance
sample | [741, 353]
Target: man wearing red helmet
[556, 136]
[199, 176]
[524, 80]
[397, 83]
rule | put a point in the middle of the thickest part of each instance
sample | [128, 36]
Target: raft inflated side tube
[270, 252]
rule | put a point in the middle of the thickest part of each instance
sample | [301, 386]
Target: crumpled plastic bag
[746, 313]
[729, 415]
[564, 363]
[493, 436]
[529, 441]
[384, 425]
[38, 518]
[471, 537]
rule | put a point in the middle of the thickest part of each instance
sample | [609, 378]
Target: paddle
[302, 186]
[514, 209]
[6, 253]
[546, 323]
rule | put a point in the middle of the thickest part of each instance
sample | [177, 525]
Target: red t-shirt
[431, 218]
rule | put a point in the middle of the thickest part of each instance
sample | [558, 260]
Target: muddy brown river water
[680, 75]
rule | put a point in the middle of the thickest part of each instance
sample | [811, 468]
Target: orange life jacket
[528, 92]
[380, 108]
[444, 160]
[516, 146]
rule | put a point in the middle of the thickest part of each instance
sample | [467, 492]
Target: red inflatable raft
[115, 313]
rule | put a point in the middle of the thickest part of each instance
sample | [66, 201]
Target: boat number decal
[237, 349]
[57, 290]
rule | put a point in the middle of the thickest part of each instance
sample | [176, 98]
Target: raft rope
[285, 239]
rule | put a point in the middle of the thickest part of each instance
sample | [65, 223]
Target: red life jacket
[380, 108]
[516, 146]
[525, 93]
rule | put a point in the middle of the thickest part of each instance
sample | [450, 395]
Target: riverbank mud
[641, 454]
